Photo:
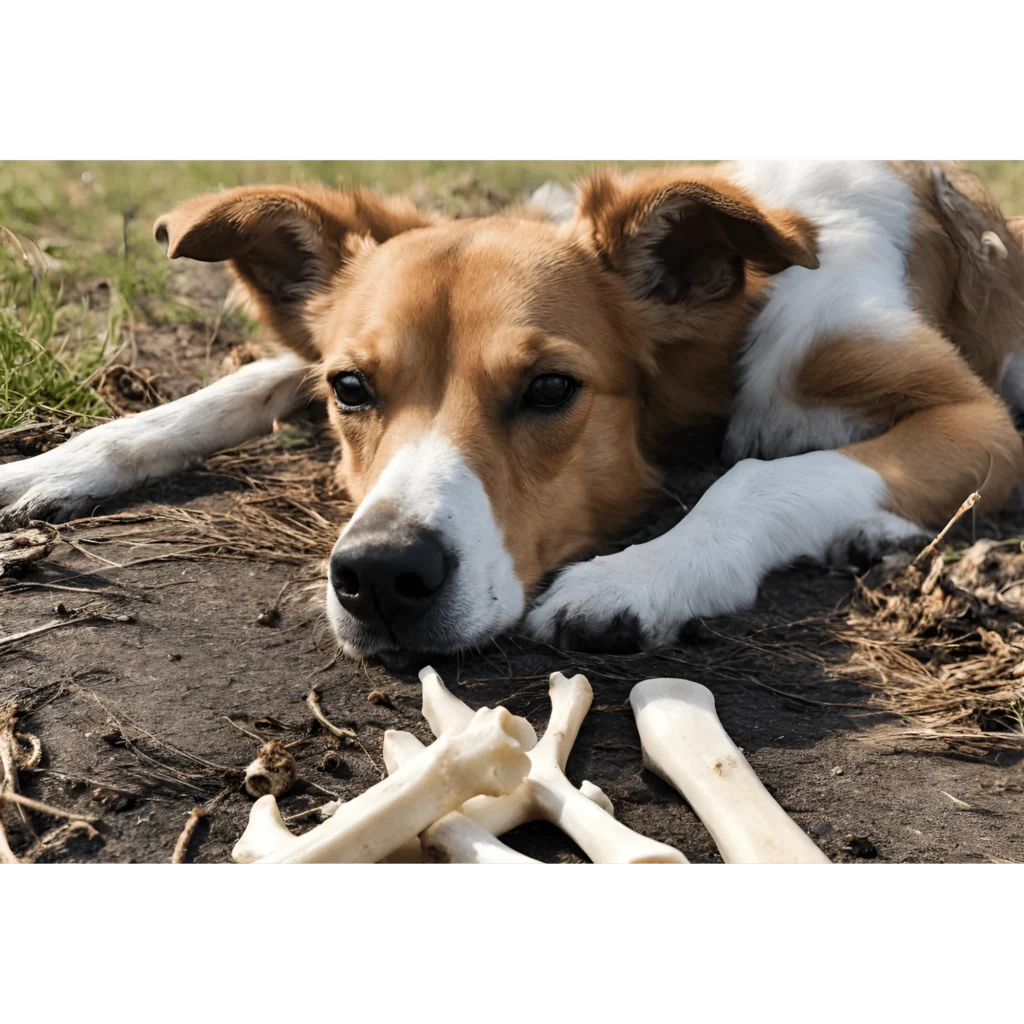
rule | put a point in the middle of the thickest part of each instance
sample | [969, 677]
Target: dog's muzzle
[389, 581]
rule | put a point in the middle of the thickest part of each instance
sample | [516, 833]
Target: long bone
[456, 839]
[486, 757]
[267, 835]
[546, 794]
[685, 744]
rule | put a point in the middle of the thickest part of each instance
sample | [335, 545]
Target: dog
[500, 387]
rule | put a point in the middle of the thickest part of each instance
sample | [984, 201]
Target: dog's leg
[758, 517]
[763, 516]
[126, 453]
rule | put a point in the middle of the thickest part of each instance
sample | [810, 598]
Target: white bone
[265, 835]
[685, 744]
[410, 852]
[399, 748]
[597, 795]
[484, 758]
[455, 839]
[546, 794]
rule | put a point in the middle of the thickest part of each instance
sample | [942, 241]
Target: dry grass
[940, 641]
[287, 509]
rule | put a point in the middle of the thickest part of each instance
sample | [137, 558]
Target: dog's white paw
[871, 539]
[42, 488]
[612, 603]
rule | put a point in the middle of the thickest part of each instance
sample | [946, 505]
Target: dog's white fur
[864, 215]
[129, 452]
[758, 517]
[432, 487]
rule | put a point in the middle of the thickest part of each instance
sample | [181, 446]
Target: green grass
[49, 351]
[95, 219]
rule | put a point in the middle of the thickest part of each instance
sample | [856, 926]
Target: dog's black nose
[388, 582]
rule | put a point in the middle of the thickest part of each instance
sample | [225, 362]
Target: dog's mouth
[399, 660]
[446, 630]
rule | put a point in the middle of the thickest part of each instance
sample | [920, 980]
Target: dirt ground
[194, 653]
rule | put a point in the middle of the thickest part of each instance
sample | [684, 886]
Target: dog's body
[499, 387]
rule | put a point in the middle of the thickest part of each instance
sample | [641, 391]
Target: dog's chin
[391, 655]
[400, 649]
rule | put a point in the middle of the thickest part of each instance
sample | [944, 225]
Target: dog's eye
[351, 391]
[549, 391]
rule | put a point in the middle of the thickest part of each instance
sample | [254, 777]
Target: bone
[264, 838]
[685, 744]
[274, 771]
[455, 839]
[546, 794]
[399, 748]
[266, 834]
[597, 796]
[485, 757]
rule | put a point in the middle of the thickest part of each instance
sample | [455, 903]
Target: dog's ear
[688, 239]
[285, 244]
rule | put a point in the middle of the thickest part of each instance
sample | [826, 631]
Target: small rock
[174, 657]
[819, 828]
[268, 617]
[861, 846]
[332, 763]
[111, 800]
[837, 770]
[379, 697]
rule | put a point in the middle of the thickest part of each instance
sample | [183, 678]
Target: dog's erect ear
[689, 239]
[285, 244]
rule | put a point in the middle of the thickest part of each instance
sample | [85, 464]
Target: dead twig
[38, 805]
[12, 638]
[86, 781]
[807, 700]
[313, 702]
[58, 837]
[198, 813]
[290, 745]
[929, 549]
[245, 732]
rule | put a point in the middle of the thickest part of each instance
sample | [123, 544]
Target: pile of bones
[486, 773]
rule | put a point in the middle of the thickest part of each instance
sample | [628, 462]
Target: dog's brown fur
[643, 297]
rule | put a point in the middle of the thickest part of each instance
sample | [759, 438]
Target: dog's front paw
[874, 539]
[602, 605]
[33, 491]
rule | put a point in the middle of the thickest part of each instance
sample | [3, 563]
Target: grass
[48, 357]
[78, 222]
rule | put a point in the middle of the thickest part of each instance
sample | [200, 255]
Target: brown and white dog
[499, 386]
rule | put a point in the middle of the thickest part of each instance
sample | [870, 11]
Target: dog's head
[493, 382]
